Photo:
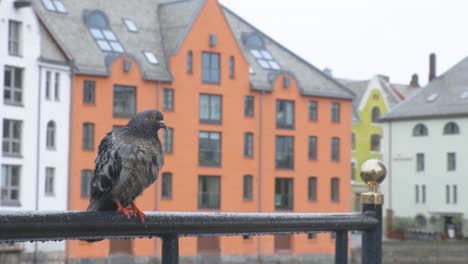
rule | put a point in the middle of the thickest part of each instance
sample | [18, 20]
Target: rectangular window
[284, 152]
[353, 171]
[416, 193]
[311, 235]
[286, 82]
[451, 161]
[86, 176]
[13, 86]
[209, 150]
[248, 187]
[312, 188]
[168, 99]
[189, 61]
[209, 192]
[50, 181]
[248, 145]
[57, 86]
[447, 194]
[455, 198]
[335, 149]
[210, 108]
[88, 136]
[168, 140]
[10, 187]
[283, 194]
[124, 101]
[335, 189]
[232, 65]
[335, 111]
[312, 148]
[14, 38]
[89, 92]
[166, 192]
[12, 137]
[353, 141]
[210, 67]
[419, 161]
[48, 82]
[284, 114]
[313, 110]
[248, 105]
[423, 191]
[375, 142]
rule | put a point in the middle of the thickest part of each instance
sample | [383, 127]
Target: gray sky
[360, 38]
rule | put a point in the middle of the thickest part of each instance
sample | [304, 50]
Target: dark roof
[445, 96]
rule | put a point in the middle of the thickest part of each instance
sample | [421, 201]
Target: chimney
[414, 81]
[328, 72]
[384, 77]
[432, 67]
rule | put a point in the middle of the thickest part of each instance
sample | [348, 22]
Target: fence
[42, 226]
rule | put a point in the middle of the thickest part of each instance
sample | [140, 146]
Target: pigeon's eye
[152, 117]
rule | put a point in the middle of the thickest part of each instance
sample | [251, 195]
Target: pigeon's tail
[101, 205]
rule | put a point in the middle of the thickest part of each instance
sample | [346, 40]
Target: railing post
[341, 247]
[373, 172]
[170, 249]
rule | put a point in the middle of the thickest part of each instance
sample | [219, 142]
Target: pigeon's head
[148, 122]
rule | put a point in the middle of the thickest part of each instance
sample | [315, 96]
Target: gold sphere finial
[373, 171]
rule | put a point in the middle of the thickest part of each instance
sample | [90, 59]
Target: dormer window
[100, 29]
[54, 6]
[256, 44]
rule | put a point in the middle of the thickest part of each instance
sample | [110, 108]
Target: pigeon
[128, 161]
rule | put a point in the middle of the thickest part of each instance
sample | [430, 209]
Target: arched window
[99, 27]
[50, 140]
[375, 114]
[375, 142]
[451, 128]
[420, 130]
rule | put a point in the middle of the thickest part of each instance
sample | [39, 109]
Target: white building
[424, 142]
[34, 114]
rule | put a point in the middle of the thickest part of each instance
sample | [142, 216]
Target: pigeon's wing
[108, 165]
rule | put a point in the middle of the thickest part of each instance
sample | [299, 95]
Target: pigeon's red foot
[140, 213]
[126, 211]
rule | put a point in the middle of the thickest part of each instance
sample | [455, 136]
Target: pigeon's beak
[162, 124]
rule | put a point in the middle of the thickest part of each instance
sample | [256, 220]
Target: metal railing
[169, 226]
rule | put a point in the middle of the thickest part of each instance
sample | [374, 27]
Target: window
[12, 134]
[54, 6]
[375, 114]
[335, 189]
[312, 189]
[248, 187]
[248, 105]
[166, 192]
[89, 93]
[286, 82]
[455, 198]
[420, 130]
[451, 161]
[419, 161]
[353, 141]
[57, 86]
[124, 101]
[209, 153]
[335, 111]
[416, 193]
[48, 82]
[209, 192]
[451, 128]
[335, 149]
[13, 86]
[10, 188]
[14, 38]
[86, 176]
[150, 57]
[265, 59]
[50, 139]
[210, 67]
[284, 114]
[248, 145]
[168, 140]
[423, 190]
[447, 194]
[283, 194]
[232, 67]
[313, 110]
[50, 181]
[213, 40]
[168, 99]
[210, 108]
[284, 152]
[130, 24]
[312, 148]
[189, 61]
[353, 171]
[102, 33]
[88, 136]
[375, 142]
[311, 235]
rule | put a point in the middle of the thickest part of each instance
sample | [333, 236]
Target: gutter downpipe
[260, 171]
[38, 153]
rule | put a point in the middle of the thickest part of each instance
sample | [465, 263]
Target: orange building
[253, 127]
